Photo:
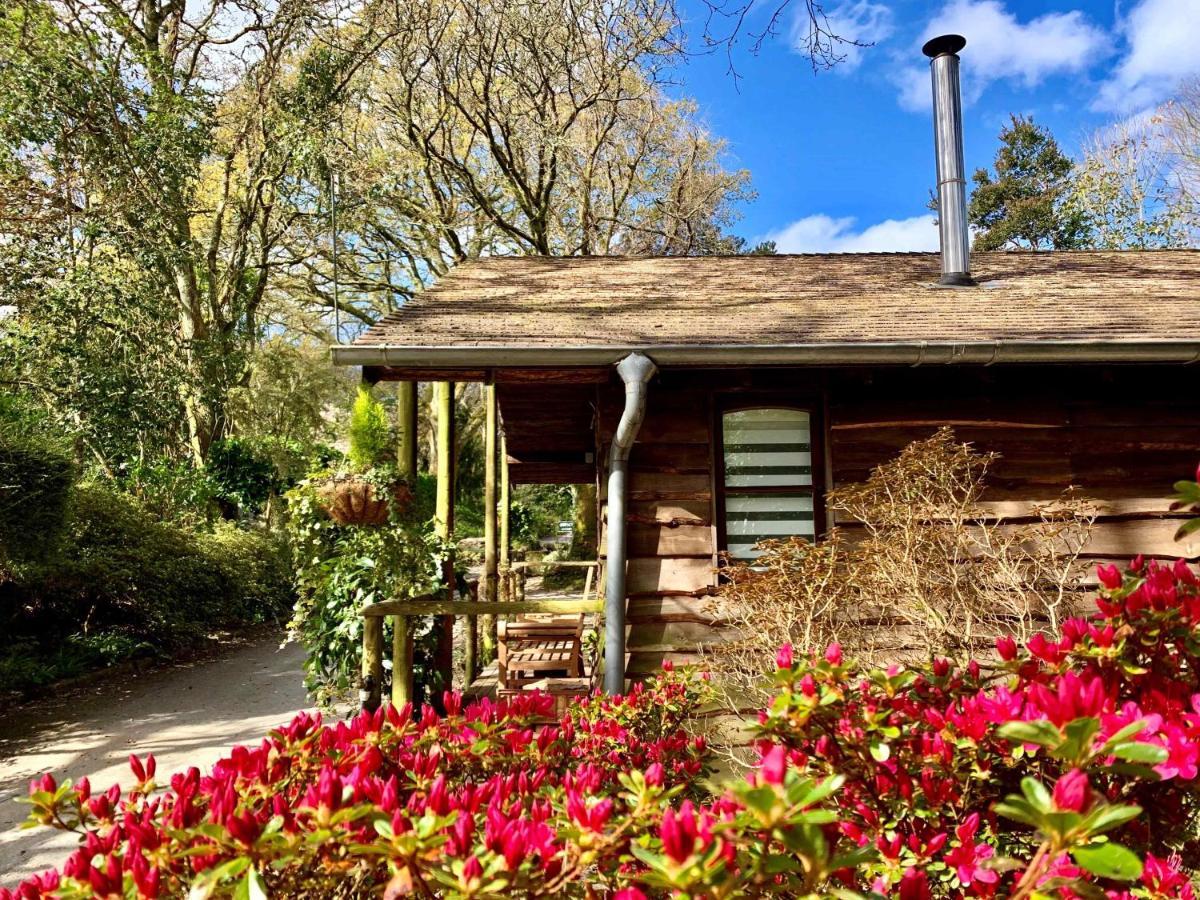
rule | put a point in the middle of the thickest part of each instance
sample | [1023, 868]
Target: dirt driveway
[187, 715]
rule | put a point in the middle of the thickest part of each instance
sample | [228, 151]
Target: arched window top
[768, 488]
[767, 447]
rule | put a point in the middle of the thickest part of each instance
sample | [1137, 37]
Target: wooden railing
[512, 603]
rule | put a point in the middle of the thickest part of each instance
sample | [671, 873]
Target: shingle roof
[847, 301]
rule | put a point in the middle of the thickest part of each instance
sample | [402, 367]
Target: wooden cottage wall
[671, 535]
[1123, 435]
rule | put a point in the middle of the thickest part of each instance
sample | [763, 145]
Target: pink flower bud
[774, 763]
[783, 659]
[1110, 576]
[472, 870]
[833, 654]
[1006, 647]
[1072, 792]
[655, 775]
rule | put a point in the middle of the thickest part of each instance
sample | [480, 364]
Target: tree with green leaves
[161, 138]
[1022, 205]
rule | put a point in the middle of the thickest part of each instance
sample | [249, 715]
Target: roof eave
[830, 354]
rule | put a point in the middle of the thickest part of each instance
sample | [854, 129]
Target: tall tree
[1023, 204]
[1181, 130]
[1127, 191]
[160, 135]
[509, 126]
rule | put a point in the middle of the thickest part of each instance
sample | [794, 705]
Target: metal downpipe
[636, 371]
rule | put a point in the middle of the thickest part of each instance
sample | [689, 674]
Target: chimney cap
[943, 44]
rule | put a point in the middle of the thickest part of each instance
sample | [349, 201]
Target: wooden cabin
[777, 378]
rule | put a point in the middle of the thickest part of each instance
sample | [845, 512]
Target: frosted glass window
[768, 465]
[767, 447]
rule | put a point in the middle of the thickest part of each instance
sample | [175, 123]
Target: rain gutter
[636, 371]
[912, 353]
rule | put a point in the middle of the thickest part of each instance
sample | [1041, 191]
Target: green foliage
[370, 432]
[1127, 190]
[119, 570]
[36, 473]
[242, 475]
[536, 511]
[26, 666]
[173, 491]
[1023, 205]
[339, 570]
[95, 347]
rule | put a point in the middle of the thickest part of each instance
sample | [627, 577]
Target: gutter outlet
[635, 370]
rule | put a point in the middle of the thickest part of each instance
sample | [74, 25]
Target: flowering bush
[1015, 783]
[1067, 770]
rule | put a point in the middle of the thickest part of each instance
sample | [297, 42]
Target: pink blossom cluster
[1066, 767]
[1108, 711]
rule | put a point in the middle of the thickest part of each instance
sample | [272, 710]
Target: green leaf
[1108, 860]
[251, 887]
[1140, 753]
[1125, 734]
[1035, 792]
[1106, 818]
[1187, 528]
[1040, 732]
[1019, 810]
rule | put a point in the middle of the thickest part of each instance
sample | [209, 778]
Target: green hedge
[36, 473]
[121, 582]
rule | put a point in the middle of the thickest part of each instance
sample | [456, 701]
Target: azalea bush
[1066, 769]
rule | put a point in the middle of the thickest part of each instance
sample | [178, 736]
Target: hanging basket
[352, 500]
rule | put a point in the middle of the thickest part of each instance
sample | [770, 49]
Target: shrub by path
[185, 715]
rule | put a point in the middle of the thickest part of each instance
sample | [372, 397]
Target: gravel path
[187, 715]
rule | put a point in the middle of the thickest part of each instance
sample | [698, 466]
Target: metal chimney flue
[948, 144]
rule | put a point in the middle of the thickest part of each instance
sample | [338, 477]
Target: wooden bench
[532, 648]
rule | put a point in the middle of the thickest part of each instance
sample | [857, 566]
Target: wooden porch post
[406, 416]
[406, 461]
[370, 690]
[505, 503]
[371, 685]
[444, 522]
[490, 570]
[401, 662]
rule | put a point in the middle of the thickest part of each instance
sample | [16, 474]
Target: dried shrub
[919, 567]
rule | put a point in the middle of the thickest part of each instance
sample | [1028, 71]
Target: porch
[545, 640]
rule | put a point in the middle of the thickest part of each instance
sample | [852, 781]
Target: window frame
[816, 427]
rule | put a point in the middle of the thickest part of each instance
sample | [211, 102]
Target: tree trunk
[583, 537]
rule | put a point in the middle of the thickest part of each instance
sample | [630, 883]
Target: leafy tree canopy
[1021, 205]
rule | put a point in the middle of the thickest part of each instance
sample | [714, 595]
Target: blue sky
[843, 160]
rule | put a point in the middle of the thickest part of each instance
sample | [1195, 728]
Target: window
[768, 467]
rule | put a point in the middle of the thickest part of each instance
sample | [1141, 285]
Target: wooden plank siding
[1121, 434]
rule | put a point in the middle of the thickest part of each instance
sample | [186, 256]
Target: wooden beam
[584, 375]
[398, 373]
[406, 421]
[402, 656]
[444, 521]
[431, 607]
[554, 563]
[371, 685]
[552, 473]
[505, 503]
[490, 561]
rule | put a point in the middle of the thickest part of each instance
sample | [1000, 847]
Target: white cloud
[870, 24]
[1161, 39]
[1001, 47]
[825, 234]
